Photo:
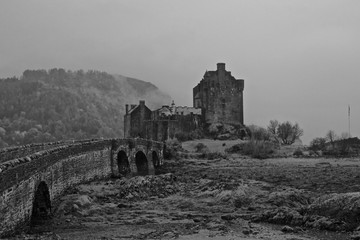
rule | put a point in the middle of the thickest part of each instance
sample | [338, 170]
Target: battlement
[221, 67]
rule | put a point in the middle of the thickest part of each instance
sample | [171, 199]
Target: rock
[355, 236]
[282, 215]
[298, 229]
[129, 196]
[251, 208]
[121, 205]
[324, 223]
[225, 136]
[83, 200]
[292, 198]
[169, 235]
[215, 226]
[141, 187]
[247, 231]
[75, 208]
[287, 229]
[341, 210]
[228, 217]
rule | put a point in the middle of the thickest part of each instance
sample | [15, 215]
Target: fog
[299, 59]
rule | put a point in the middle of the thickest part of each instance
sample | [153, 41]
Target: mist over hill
[52, 105]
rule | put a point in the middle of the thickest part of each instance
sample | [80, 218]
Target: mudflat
[233, 198]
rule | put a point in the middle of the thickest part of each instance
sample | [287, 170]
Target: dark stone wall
[19, 151]
[10, 153]
[60, 168]
[135, 125]
[163, 128]
[220, 96]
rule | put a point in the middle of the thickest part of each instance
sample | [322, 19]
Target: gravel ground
[233, 198]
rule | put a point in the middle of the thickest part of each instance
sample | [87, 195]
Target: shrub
[259, 133]
[242, 201]
[212, 155]
[255, 149]
[298, 153]
[237, 148]
[197, 134]
[172, 149]
[224, 131]
[200, 147]
[318, 144]
[182, 137]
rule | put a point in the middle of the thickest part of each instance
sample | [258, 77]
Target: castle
[218, 98]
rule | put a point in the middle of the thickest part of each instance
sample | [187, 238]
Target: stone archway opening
[141, 163]
[123, 163]
[155, 159]
[41, 211]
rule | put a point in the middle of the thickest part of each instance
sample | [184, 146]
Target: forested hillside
[54, 105]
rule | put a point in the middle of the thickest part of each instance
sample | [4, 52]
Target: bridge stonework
[26, 181]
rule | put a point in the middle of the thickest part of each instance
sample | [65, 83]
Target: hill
[53, 105]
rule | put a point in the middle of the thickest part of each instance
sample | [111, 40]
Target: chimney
[127, 108]
[141, 102]
[221, 66]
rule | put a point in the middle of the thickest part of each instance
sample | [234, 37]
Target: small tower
[172, 108]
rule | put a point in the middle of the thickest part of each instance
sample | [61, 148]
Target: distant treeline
[43, 106]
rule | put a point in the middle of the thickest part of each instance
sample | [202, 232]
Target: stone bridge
[32, 176]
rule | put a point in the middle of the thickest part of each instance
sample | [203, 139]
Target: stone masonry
[28, 184]
[220, 96]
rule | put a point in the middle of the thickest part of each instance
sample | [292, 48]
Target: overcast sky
[300, 58]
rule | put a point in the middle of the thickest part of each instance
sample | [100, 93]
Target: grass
[255, 149]
[212, 145]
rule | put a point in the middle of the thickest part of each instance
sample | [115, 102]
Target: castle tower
[220, 96]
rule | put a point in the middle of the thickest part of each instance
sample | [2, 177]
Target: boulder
[340, 207]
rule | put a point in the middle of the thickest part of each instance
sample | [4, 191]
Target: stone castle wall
[220, 96]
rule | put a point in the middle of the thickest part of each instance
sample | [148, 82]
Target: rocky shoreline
[198, 199]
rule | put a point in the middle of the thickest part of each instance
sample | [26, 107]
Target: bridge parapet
[15, 170]
[10, 153]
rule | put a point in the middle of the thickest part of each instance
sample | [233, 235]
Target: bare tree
[331, 137]
[272, 129]
[285, 133]
[259, 133]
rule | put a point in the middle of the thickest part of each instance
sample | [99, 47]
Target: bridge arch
[41, 205]
[155, 159]
[123, 163]
[141, 163]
